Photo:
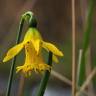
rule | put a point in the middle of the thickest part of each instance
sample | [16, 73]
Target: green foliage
[86, 42]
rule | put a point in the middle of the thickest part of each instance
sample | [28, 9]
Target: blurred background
[54, 23]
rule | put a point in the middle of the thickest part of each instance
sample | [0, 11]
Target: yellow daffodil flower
[33, 43]
[33, 62]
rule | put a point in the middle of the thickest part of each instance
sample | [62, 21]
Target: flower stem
[26, 16]
[45, 78]
[14, 60]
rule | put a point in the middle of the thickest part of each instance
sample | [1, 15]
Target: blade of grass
[61, 77]
[79, 66]
[88, 71]
[87, 81]
[88, 30]
[73, 50]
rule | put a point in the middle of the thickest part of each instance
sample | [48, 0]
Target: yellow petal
[55, 59]
[28, 35]
[32, 33]
[52, 48]
[19, 68]
[43, 67]
[36, 34]
[36, 44]
[13, 52]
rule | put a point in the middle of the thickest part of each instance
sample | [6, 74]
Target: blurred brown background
[54, 23]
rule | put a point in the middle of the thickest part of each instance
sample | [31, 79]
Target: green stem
[45, 78]
[86, 42]
[14, 60]
[26, 16]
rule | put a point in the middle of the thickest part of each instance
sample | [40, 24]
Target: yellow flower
[33, 43]
[33, 62]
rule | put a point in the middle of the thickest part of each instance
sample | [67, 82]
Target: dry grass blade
[21, 86]
[87, 81]
[65, 80]
[61, 77]
[73, 50]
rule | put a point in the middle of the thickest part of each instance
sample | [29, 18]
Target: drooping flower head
[33, 43]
